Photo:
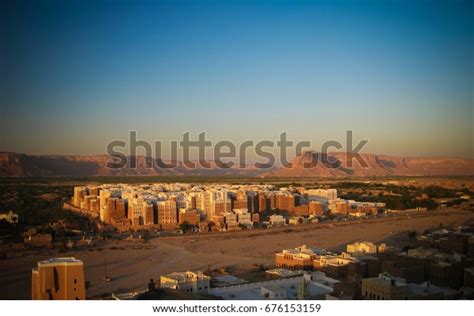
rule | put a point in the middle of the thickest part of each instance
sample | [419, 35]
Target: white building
[244, 217]
[196, 282]
[273, 292]
[364, 247]
[10, 217]
[277, 220]
[316, 285]
[316, 194]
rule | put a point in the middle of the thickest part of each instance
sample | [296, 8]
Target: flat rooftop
[185, 276]
[56, 261]
[285, 272]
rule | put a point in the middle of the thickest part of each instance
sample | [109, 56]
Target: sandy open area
[132, 263]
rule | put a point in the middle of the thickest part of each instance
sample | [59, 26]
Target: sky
[75, 75]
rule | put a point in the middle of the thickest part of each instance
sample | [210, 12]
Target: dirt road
[131, 263]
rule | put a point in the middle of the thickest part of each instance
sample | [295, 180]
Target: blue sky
[78, 74]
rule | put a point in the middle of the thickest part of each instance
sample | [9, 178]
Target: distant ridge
[22, 165]
[377, 165]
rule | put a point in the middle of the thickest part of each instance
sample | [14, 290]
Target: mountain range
[308, 164]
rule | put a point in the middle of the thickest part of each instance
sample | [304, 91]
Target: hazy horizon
[79, 74]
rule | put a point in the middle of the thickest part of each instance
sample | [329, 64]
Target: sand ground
[132, 263]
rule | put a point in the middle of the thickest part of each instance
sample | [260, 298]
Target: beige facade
[384, 287]
[301, 258]
[58, 279]
[167, 213]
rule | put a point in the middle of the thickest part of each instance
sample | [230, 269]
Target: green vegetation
[402, 202]
[185, 227]
[412, 234]
[399, 197]
[145, 236]
[39, 205]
